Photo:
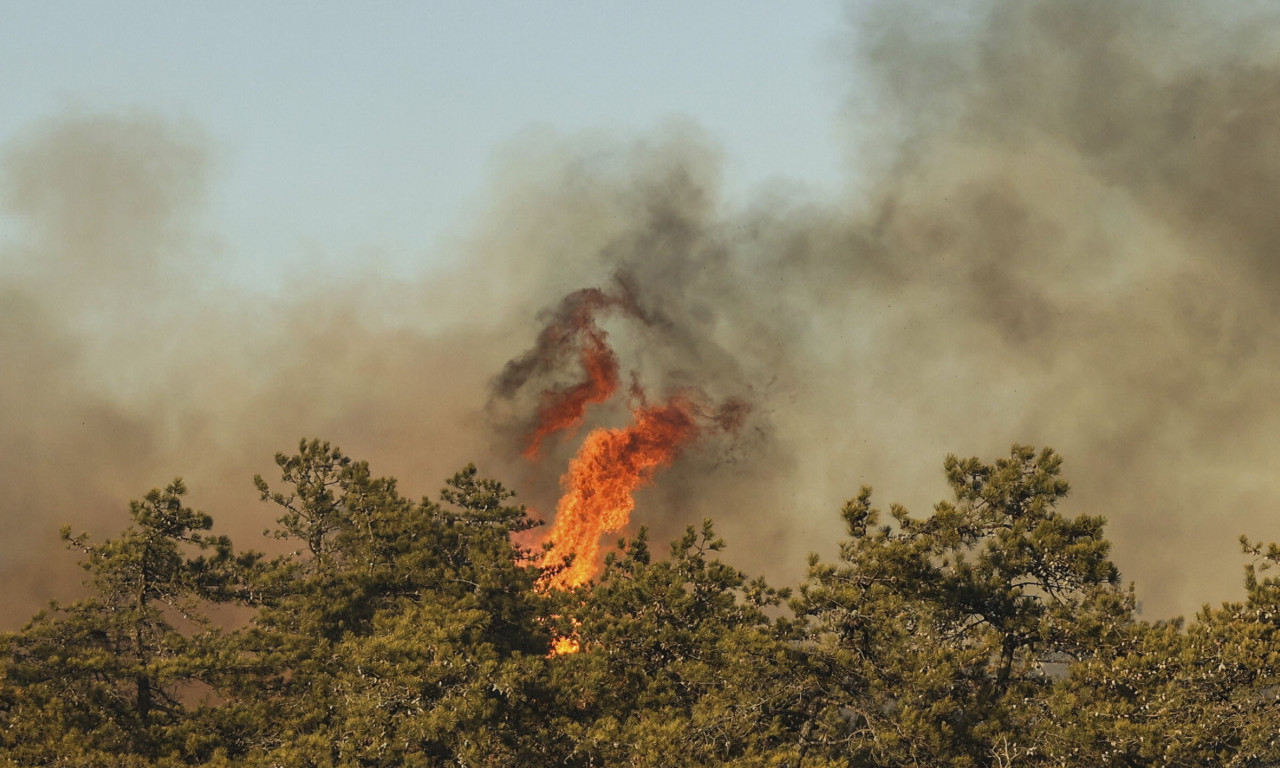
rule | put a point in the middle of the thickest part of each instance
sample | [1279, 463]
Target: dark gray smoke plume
[1060, 229]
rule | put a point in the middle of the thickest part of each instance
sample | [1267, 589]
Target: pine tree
[398, 633]
[112, 674]
[1204, 692]
[935, 634]
[679, 663]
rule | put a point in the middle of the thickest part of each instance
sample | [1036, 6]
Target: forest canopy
[992, 631]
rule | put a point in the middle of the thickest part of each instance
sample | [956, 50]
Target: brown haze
[1062, 230]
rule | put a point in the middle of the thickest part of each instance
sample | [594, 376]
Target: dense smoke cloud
[1059, 230]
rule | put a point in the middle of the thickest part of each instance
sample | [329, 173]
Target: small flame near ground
[562, 646]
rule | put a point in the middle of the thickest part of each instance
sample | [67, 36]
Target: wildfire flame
[564, 645]
[598, 488]
[611, 463]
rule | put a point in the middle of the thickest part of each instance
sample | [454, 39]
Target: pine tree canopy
[992, 631]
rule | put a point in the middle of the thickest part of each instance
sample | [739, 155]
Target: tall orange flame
[612, 463]
[598, 487]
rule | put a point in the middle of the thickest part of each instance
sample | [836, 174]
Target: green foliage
[438, 587]
[1207, 693]
[679, 663]
[107, 674]
[932, 633]
[993, 632]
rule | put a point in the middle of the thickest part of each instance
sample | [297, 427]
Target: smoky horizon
[1058, 229]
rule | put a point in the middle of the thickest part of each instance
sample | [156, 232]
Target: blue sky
[343, 129]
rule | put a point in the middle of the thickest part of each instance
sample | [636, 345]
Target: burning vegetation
[1062, 210]
[401, 633]
[602, 478]
[612, 463]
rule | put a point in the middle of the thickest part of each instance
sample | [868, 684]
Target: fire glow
[599, 486]
[611, 463]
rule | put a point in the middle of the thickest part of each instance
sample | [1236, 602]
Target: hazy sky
[343, 130]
